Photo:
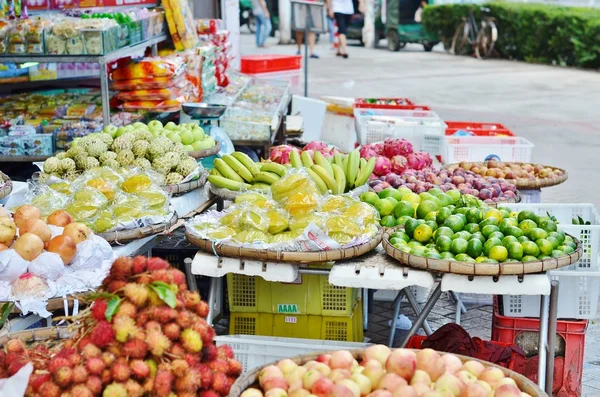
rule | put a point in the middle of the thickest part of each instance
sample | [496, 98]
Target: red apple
[374, 374]
[507, 390]
[322, 387]
[299, 393]
[453, 363]
[377, 352]
[405, 391]
[296, 375]
[491, 375]
[466, 377]
[372, 363]
[391, 382]
[339, 374]
[474, 390]
[420, 377]
[380, 393]
[251, 393]
[286, 366]
[364, 383]
[276, 393]
[402, 362]
[275, 383]
[449, 382]
[324, 358]
[322, 368]
[268, 373]
[341, 359]
[310, 378]
[430, 361]
[474, 367]
[353, 387]
[341, 391]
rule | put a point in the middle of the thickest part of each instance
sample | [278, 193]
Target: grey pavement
[553, 107]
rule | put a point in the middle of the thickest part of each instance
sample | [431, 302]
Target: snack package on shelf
[155, 83]
[149, 68]
[181, 24]
[169, 105]
[209, 26]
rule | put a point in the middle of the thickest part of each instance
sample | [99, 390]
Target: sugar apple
[159, 146]
[129, 136]
[90, 162]
[143, 163]
[173, 178]
[51, 165]
[44, 177]
[187, 166]
[80, 160]
[107, 156]
[61, 155]
[106, 138]
[67, 165]
[140, 148]
[111, 163]
[75, 151]
[121, 144]
[172, 158]
[95, 147]
[143, 135]
[162, 165]
[125, 157]
[180, 150]
[71, 175]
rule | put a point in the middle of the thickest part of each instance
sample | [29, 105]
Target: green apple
[369, 197]
[111, 130]
[199, 135]
[155, 125]
[140, 126]
[171, 126]
[156, 133]
[75, 142]
[189, 148]
[186, 137]
[174, 137]
[211, 140]
[202, 145]
[120, 131]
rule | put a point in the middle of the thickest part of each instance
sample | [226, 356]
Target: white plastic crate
[478, 148]
[531, 196]
[423, 128]
[256, 351]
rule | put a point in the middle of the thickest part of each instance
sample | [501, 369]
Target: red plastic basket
[568, 370]
[270, 63]
[479, 129]
[400, 104]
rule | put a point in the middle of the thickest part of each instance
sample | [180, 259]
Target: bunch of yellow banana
[238, 170]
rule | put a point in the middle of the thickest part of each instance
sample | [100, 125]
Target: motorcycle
[246, 15]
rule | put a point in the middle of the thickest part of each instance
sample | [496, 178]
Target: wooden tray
[125, 236]
[285, 256]
[250, 378]
[530, 184]
[185, 187]
[57, 303]
[479, 269]
[7, 189]
[198, 154]
[39, 334]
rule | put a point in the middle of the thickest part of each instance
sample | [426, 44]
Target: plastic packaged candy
[155, 83]
[148, 68]
[149, 95]
[170, 105]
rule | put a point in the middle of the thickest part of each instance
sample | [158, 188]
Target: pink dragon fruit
[419, 160]
[382, 166]
[317, 146]
[366, 152]
[281, 154]
[395, 147]
[333, 152]
[399, 164]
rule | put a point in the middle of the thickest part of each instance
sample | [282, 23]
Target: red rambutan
[80, 374]
[83, 342]
[135, 348]
[115, 390]
[221, 383]
[153, 326]
[94, 383]
[209, 393]
[140, 369]
[225, 351]
[191, 340]
[106, 376]
[126, 309]
[172, 331]
[157, 342]
[56, 363]
[108, 358]
[209, 353]
[177, 350]
[15, 346]
[99, 310]
[38, 378]
[90, 350]
[115, 285]
[95, 365]
[185, 319]
[187, 383]
[190, 299]
[163, 314]
[136, 293]
[235, 367]
[219, 365]
[163, 382]
[134, 389]
[178, 278]
[154, 264]
[49, 389]
[63, 376]
[81, 391]
[205, 375]
[193, 360]
[144, 278]
[120, 371]
[75, 359]
[179, 367]
[139, 264]
[149, 386]
[102, 335]
[202, 309]
[121, 268]
[124, 328]
[15, 365]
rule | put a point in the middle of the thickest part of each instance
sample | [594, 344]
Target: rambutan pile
[144, 335]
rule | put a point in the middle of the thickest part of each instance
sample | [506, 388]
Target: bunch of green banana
[237, 171]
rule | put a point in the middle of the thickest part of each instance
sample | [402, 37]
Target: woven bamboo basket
[198, 154]
[185, 187]
[507, 200]
[479, 269]
[125, 236]
[53, 335]
[250, 378]
[56, 303]
[531, 184]
[223, 193]
[7, 189]
[285, 256]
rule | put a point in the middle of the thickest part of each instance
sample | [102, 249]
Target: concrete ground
[555, 108]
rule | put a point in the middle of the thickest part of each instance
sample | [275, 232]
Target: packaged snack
[16, 35]
[181, 24]
[170, 105]
[35, 48]
[4, 29]
[149, 95]
[17, 48]
[149, 84]
[149, 68]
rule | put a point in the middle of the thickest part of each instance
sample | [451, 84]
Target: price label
[44, 74]
[38, 4]
[291, 320]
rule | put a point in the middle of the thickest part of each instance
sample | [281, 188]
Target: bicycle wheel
[486, 40]
[461, 40]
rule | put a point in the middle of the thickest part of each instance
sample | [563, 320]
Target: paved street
[553, 107]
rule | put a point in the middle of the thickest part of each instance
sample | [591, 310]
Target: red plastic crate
[401, 104]
[480, 129]
[568, 370]
[270, 63]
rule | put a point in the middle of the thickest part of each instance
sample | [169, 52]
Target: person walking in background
[263, 22]
[312, 38]
[341, 11]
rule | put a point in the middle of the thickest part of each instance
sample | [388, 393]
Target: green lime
[507, 222]
[447, 255]
[423, 233]
[527, 225]
[559, 235]
[388, 221]
[455, 223]
[432, 255]
[489, 244]
[414, 244]
[542, 257]
[461, 210]
[392, 200]
[509, 239]
[480, 259]
[528, 258]
[479, 237]
[474, 215]
[545, 246]
[410, 226]
[443, 243]
[384, 207]
[400, 234]
[402, 220]
[493, 213]
[445, 199]
[463, 217]
[404, 248]
[462, 234]
[530, 248]
[426, 196]
[404, 208]
[554, 241]
[472, 227]
[474, 248]
[489, 229]
[567, 249]
[513, 231]
[497, 235]
[390, 192]
[442, 215]
[557, 253]
[403, 191]
[488, 221]
[431, 246]
[431, 216]
[505, 213]
[537, 233]
[523, 239]
[548, 225]
[515, 250]
[432, 225]
[454, 194]
[526, 214]
[418, 251]
[395, 241]
[425, 207]
[459, 246]
[464, 258]
[541, 218]
[435, 191]
[444, 231]
[498, 252]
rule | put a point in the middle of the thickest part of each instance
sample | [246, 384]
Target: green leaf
[581, 221]
[6, 309]
[165, 293]
[112, 307]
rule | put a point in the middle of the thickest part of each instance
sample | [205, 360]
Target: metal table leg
[397, 303]
[212, 296]
[542, 344]
[417, 309]
[426, 310]
[365, 308]
[191, 279]
[551, 336]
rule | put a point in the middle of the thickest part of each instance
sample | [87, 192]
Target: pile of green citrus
[481, 235]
